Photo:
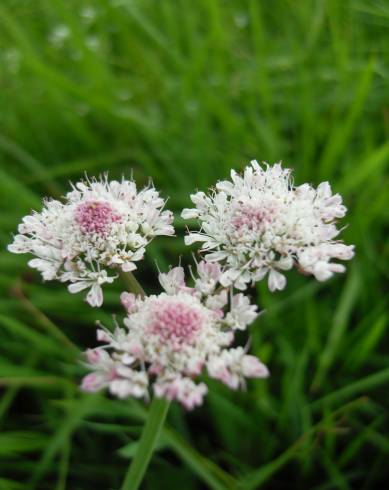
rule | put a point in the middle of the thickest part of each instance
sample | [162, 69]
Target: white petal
[76, 287]
[189, 213]
[95, 296]
[253, 368]
[285, 263]
[128, 267]
[277, 281]
[195, 237]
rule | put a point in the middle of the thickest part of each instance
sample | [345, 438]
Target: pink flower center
[252, 218]
[95, 217]
[176, 323]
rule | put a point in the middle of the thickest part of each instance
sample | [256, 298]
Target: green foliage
[183, 91]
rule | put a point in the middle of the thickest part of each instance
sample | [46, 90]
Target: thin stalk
[132, 284]
[155, 417]
[151, 431]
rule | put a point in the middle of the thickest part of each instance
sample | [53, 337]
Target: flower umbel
[101, 226]
[170, 338]
[260, 224]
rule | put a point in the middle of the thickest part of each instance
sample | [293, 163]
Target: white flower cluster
[170, 338]
[101, 225]
[255, 225]
[259, 223]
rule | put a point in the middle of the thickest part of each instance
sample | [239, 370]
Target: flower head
[101, 226]
[170, 338]
[260, 224]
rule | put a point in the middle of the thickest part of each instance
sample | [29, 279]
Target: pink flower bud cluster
[169, 339]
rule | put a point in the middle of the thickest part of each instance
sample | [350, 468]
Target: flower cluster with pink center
[169, 339]
[259, 224]
[101, 228]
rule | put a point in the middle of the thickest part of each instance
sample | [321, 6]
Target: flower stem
[151, 431]
[155, 418]
[132, 284]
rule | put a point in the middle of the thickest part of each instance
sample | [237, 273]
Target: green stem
[132, 284]
[151, 431]
[155, 418]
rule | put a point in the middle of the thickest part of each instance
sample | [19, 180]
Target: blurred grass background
[183, 91]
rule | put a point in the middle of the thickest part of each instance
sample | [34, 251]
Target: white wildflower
[88, 14]
[233, 365]
[260, 224]
[174, 281]
[181, 389]
[209, 275]
[101, 226]
[172, 337]
[12, 59]
[241, 313]
[59, 35]
[112, 374]
[93, 43]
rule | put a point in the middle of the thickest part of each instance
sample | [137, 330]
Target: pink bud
[253, 368]
[128, 301]
[93, 356]
[102, 336]
[91, 382]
